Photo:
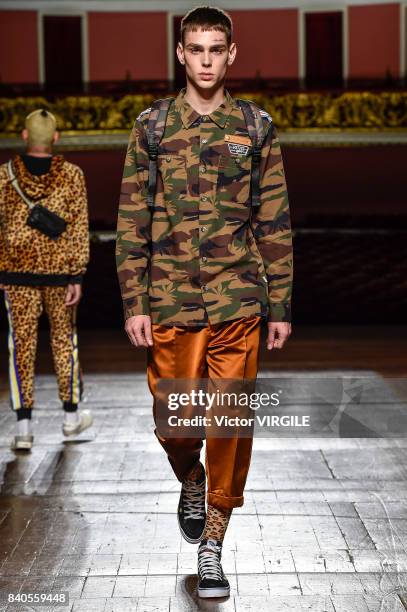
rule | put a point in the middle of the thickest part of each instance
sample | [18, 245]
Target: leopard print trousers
[24, 306]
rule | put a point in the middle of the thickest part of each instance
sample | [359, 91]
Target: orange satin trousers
[223, 350]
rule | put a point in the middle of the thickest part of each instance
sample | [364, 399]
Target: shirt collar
[189, 114]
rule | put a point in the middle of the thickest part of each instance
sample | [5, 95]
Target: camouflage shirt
[196, 256]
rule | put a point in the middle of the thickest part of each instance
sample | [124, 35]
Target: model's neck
[39, 152]
[204, 101]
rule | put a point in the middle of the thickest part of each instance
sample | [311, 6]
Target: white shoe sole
[19, 444]
[220, 592]
[85, 421]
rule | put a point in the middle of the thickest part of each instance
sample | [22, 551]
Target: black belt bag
[39, 218]
[45, 221]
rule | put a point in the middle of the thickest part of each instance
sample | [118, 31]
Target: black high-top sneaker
[212, 582]
[191, 509]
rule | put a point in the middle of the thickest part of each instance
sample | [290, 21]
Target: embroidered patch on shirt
[237, 149]
[244, 140]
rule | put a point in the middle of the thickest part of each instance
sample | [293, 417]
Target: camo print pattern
[195, 257]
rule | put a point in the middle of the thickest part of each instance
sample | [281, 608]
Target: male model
[44, 250]
[202, 262]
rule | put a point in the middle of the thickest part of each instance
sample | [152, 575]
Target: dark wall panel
[323, 41]
[62, 50]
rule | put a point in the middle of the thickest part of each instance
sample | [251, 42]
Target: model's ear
[24, 134]
[232, 53]
[180, 53]
[56, 137]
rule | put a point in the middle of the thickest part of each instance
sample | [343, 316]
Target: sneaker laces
[194, 499]
[209, 566]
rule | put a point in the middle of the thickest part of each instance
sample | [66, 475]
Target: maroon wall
[18, 47]
[121, 43]
[267, 43]
[136, 43]
[328, 181]
[374, 40]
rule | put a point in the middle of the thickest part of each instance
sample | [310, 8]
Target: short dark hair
[207, 18]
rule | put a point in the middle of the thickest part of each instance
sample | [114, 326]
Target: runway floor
[323, 527]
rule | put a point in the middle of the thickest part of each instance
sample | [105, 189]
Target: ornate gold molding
[293, 111]
[361, 110]
[76, 114]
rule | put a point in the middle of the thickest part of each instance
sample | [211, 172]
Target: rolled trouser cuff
[70, 407]
[225, 503]
[23, 413]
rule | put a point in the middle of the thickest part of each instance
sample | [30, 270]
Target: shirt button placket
[203, 198]
[202, 170]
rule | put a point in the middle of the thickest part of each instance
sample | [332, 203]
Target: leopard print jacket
[27, 256]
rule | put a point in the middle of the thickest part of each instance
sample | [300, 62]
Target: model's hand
[138, 329]
[73, 294]
[278, 334]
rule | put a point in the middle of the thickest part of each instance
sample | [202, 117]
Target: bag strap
[257, 133]
[16, 186]
[155, 131]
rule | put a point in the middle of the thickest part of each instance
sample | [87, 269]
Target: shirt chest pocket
[173, 171]
[233, 185]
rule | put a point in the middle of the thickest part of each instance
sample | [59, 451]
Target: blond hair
[41, 126]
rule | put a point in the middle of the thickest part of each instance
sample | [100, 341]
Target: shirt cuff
[139, 305]
[279, 312]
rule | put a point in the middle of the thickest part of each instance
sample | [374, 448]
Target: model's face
[206, 57]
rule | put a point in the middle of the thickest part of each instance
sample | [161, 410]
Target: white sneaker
[85, 420]
[22, 442]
